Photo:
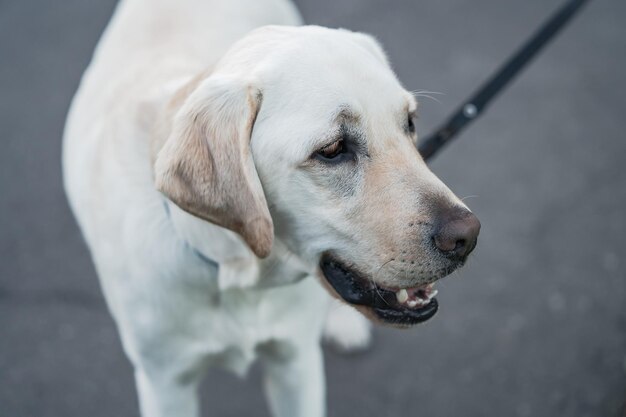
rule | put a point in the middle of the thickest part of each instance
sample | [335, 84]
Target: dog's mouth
[394, 306]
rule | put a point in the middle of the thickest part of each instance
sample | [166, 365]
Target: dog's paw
[346, 329]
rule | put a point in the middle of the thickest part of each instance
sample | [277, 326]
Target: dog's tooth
[432, 294]
[412, 303]
[402, 295]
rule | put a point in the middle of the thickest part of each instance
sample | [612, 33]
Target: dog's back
[148, 50]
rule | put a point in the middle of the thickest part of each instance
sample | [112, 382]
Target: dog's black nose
[456, 233]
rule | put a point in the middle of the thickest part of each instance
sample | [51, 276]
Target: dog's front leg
[294, 383]
[164, 396]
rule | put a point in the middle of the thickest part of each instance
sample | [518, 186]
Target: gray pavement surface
[535, 325]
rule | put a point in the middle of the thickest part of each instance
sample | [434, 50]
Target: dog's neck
[238, 267]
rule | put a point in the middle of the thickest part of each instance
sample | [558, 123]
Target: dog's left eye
[410, 126]
[334, 152]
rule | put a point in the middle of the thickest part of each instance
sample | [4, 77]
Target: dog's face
[336, 174]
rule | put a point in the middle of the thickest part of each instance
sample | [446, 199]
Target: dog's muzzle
[454, 238]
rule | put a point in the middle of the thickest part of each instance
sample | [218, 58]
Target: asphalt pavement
[535, 325]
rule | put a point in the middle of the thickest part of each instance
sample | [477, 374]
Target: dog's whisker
[417, 92]
[426, 94]
[379, 294]
[373, 280]
[469, 196]
[381, 267]
[430, 97]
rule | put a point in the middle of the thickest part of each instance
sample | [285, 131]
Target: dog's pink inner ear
[206, 167]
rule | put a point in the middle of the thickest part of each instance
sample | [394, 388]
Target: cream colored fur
[187, 164]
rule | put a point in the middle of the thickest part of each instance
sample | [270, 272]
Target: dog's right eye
[335, 152]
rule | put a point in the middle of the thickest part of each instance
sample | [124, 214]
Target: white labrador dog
[223, 173]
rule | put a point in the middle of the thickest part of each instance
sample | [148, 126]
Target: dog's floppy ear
[206, 165]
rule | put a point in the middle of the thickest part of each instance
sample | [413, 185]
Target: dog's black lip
[358, 291]
[408, 317]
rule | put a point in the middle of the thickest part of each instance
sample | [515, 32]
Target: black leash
[473, 107]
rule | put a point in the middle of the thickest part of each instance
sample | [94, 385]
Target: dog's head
[306, 134]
